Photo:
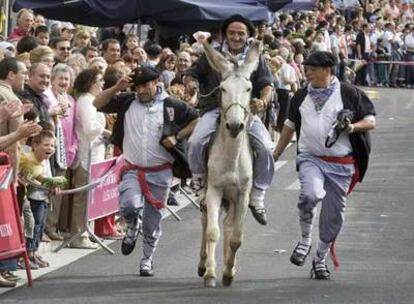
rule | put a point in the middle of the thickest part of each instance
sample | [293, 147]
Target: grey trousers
[328, 183]
[132, 201]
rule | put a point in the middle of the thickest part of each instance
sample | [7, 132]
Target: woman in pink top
[25, 19]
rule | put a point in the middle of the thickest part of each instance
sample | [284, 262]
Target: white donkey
[230, 165]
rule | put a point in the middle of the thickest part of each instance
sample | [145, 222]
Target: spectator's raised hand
[13, 109]
[28, 129]
[123, 83]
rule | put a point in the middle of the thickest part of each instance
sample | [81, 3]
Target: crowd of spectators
[50, 72]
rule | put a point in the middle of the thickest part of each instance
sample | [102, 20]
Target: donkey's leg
[240, 209]
[203, 248]
[213, 202]
[228, 232]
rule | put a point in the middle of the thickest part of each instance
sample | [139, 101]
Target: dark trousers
[39, 209]
[283, 98]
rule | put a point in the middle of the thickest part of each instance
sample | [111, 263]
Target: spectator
[63, 114]
[99, 64]
[62, 48]
[26, 44]
[42, 54]
[42, 35]
[111, 50]
[67, 31]
[90, 128]
[89, 52]
[34, 167]
[82, 40]
[24, 24]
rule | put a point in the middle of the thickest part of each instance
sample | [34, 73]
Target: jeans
[39, 209]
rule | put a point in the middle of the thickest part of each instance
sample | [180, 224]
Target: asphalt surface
[375, 247]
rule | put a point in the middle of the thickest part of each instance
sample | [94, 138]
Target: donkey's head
[235, 86]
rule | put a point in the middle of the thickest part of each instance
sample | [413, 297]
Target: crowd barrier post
[12, 241]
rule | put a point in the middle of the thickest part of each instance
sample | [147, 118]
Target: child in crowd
[42, 35]
[34, 166]
[167, 67]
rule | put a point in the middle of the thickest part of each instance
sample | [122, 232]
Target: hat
[321, 59]
[144, 74]
[67, 25]
[238, 18]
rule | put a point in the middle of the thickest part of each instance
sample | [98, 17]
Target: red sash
[143, 182]
[346, 160]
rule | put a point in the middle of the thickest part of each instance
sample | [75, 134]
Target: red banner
[104, 197]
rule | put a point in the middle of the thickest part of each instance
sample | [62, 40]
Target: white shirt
[89, 125]
[143, 127]
[315, 127]
[409, 42]
[287, 76]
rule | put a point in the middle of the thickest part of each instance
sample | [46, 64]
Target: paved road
[375, 248]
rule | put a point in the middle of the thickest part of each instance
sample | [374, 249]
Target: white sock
[322, 252]
[257, 198]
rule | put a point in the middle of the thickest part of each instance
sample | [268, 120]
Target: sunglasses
[64, 48]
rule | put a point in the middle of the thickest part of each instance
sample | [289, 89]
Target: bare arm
[105, 97]
[284, 139]
[171, 141]
[25, 130]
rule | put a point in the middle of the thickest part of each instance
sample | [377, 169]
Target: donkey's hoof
[210, 282]
[201, 271]
[227, 280]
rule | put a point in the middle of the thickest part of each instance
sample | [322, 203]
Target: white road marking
[279, 164]
[294, 186]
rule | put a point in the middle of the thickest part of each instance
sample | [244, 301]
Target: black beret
[144, 74]
[321, 59]
[238, 18]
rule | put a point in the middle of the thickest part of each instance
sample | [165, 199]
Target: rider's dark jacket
[209, 79]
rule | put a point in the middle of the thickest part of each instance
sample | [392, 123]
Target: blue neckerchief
[319, 96]
[239, 58]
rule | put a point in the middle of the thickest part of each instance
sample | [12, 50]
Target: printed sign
[104, 197]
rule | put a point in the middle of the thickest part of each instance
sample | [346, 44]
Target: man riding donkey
[341, 115]
[149, 130]
[238, 33]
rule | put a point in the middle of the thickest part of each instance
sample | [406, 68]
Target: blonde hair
[82, 34]
[39, 52]
[24, 11]
[23, 57]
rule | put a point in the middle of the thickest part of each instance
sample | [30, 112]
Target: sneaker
[84, 243]
[40, 261]
[319, 270]
[6, 283]
[130, 239]
[146, 270]
[299, 254]
[8, 275]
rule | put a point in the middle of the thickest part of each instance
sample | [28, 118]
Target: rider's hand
[257, 105]
[169, 142]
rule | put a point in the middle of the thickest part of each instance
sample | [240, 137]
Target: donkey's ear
[252, 59]
[217, 60]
